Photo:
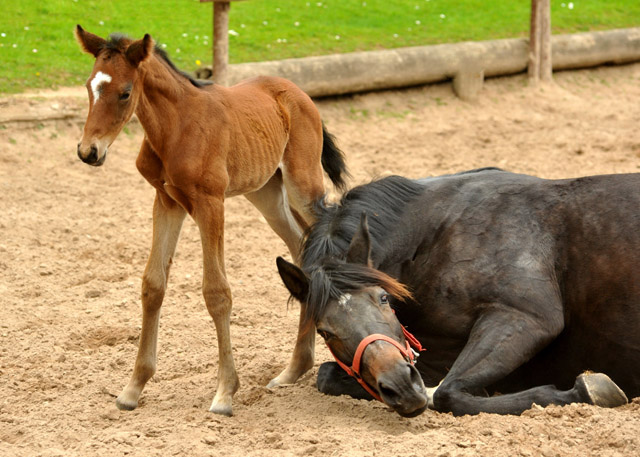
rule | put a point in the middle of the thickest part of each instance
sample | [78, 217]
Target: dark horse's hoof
[600, 390]
[333, 380]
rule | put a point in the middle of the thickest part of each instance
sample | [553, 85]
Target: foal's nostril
[93, 154]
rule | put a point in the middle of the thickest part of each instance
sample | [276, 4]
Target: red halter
[407, 352]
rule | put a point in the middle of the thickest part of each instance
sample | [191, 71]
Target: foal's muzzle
[91, 157]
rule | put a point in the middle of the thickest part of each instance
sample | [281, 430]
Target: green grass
[37, 48]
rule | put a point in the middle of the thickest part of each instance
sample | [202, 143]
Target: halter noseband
[408, 353]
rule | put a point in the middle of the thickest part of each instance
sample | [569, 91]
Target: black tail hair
[333, 160]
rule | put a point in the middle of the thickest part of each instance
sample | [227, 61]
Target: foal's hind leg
[303, 180]
[167, 222]
[271, 201]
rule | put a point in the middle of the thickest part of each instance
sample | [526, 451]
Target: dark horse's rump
[517, 282]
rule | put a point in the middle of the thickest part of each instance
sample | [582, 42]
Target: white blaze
[99, 79]
[344, 299]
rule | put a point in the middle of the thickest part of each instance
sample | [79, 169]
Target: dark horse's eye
[125, 95]
[384, 299]
[324, 334]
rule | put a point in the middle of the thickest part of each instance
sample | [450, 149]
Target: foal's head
[114, 90]
[348, 301]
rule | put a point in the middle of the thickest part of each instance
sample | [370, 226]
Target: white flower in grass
[164, 45]
[14, 45]
[442, 16]
[26, 28]
[265, 23]
[3, 34]
[417, 7]
[337, 37]
[296, 24]
[184, 35]
[319, 4]
[242, 26]
[101, 22]
[395, 35]
[34, 50]
[177, 50]
[418, 22]
[233, 33]
[364, 3]
[570, 5]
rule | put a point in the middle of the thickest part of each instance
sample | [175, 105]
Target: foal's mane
[326, 242]
[118, 42]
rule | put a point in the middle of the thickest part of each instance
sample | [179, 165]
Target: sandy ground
[74, 241]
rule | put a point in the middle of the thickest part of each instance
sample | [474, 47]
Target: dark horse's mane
[326, 243]
[116, 42]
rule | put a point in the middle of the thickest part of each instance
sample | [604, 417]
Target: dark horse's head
[348, 301]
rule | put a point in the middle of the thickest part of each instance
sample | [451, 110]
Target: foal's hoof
[125, 405]
[222, 410]
[601, 390]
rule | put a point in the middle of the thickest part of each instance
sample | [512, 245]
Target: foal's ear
[294, 279]
[139, 50]
[89, 42]
[360, 247]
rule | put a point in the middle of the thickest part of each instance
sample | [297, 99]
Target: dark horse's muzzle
[389, 390]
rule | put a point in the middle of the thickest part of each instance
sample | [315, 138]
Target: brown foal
[262, 138]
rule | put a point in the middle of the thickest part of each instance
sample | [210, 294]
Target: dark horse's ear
[139, 50]
[360, 247]
[294, 279]
[89, 42]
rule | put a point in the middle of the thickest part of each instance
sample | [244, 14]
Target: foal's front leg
[209, 215]
[167, 222]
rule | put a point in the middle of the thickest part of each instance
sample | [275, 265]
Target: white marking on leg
[98, 80]
[430, 393]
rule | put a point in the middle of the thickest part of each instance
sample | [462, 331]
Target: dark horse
[515, 285]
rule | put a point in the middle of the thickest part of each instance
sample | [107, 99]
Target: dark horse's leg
[502, 339]
[333, 380]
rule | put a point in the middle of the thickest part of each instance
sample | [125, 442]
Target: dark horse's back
[570, 246]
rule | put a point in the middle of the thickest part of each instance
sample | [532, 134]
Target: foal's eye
[384, 299]
[125, 95]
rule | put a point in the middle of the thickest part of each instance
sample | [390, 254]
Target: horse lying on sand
[262, 138]
[513, 285]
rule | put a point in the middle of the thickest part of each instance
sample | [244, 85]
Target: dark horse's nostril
[387, 392]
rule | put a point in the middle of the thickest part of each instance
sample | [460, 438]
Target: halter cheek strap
[407, 352]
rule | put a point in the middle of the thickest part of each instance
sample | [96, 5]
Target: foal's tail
[333, 161]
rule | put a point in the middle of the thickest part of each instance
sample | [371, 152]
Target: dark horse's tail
[333, 161]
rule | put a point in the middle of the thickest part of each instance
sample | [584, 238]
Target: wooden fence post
[220, 46]
[540, 65]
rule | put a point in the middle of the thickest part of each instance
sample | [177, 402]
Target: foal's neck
[162, 106]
